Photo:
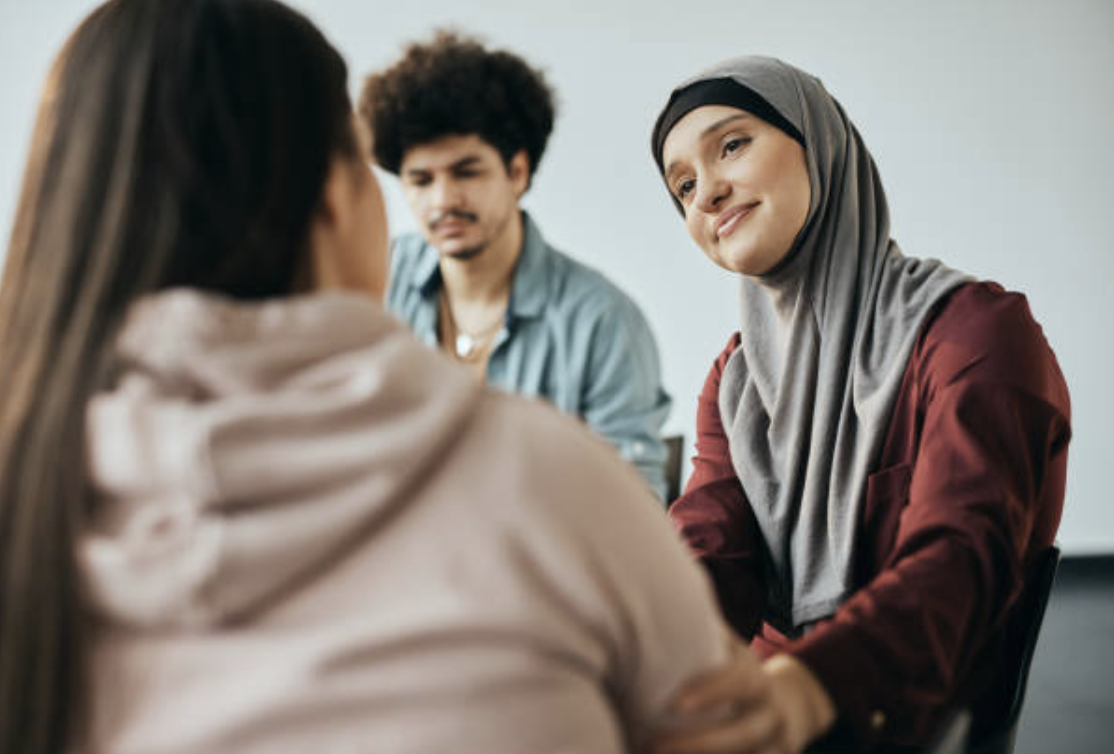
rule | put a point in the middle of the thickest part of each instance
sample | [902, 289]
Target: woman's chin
[728, 262]
[751, 262]
[740, 265]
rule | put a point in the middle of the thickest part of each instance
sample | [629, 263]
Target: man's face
[462, 193]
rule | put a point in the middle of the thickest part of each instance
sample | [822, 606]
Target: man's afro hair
[452, 85]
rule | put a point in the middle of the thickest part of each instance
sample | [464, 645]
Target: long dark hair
[178, 143]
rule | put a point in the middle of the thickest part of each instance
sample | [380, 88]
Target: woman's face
[742, 183]
[371, 246]
[350, 249]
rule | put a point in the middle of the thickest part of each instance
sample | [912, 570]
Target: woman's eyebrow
[723, 122]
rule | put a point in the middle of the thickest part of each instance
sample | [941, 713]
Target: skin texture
[348, 237]
[742, 183]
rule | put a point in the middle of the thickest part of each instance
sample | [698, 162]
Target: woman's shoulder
[551, 458]
[543, 479]
[980, 305]
[710, 392]
[723, 356]
[983, 333]
[566, 506]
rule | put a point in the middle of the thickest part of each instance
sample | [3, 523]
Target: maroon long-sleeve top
[967, 490]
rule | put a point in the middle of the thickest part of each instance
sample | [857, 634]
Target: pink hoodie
[317, 535]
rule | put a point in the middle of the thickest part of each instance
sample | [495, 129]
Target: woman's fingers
[748, 707]
[759, 730]
[806, 707]
[732, 710]
[740, 684]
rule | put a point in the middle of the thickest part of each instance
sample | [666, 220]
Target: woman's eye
[733, 145]
[685, 187]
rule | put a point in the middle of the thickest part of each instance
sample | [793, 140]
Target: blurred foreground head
[178, 143]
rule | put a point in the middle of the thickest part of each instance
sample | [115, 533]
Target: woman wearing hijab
[881, 447]
[242, 509]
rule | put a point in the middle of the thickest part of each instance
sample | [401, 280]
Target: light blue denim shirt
[570, 337]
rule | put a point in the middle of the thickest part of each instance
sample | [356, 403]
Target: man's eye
[416, 180]
[468, 173]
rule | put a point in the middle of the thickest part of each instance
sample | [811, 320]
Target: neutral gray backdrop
[992, 123]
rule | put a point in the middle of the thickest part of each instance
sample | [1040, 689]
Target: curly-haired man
[464, 128]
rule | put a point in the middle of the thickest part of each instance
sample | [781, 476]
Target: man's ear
[519, 171]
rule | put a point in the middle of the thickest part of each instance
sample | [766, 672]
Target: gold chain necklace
[466, 345]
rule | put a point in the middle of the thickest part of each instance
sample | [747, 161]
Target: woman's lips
[731, 219]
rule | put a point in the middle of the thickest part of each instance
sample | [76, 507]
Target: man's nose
[444, 194]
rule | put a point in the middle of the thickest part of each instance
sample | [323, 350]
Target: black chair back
[994, 731]
[674, 449]
[990, 727]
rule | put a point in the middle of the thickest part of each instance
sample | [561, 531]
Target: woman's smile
[732, 218]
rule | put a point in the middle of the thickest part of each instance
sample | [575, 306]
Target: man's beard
[467, 254]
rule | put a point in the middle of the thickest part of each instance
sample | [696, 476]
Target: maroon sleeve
[713, 515]
[982, 493]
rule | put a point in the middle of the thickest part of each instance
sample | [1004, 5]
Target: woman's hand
[775, 707]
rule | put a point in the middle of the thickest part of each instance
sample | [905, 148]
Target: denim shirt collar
[530, 289]
[530, 286]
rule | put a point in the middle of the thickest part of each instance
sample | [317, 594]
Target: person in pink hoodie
[241, 508]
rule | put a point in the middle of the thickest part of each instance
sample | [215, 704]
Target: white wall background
[992, 122]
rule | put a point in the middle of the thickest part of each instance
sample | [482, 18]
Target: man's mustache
[452, 214]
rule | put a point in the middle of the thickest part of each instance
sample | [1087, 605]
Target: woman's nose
[711, 194]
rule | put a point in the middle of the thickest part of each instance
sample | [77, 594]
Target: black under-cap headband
[722, 91]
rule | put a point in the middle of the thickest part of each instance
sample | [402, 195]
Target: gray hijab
[807, 397]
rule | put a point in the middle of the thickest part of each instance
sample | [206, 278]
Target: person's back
[241, 508]
[345, 542]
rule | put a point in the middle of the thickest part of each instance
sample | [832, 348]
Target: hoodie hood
[245, 446]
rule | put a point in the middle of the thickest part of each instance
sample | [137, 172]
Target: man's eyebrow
[704, 134]
[465, 162]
